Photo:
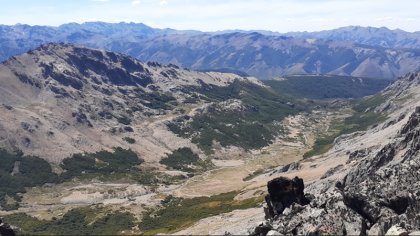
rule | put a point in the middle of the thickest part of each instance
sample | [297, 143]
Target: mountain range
[92, 132]
[110, 129]
[372, 36]
[354, 51]
[95, 95]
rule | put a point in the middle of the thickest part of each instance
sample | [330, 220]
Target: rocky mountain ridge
[259, 54]
[73, 99]
[373, 36]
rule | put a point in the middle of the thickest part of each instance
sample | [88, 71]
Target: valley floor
[245, 173]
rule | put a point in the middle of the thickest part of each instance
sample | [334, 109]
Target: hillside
[369, 180]
[62, 99]
[106, 128]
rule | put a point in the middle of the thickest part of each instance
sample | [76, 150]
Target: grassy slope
[33, 171]
[174, 215]
[177, 213]
[361, 119]
[106, 166]
[79, 221]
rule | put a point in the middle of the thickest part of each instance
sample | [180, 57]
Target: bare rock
[273, 233]
[397, 230]
[5, 229]
[282, 192]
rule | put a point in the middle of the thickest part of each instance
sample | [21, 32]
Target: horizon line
[167, 28]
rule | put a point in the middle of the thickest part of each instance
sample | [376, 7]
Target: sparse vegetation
[100, 163]
[79, 221]
[327, 86]
[180, 159]
[156, 100]
[18, 172]
[186, 160]
[178, 213]
[250, 126]
[129, 140]
[124, 120]
[253, 175]
[370, 103]
[358, 121]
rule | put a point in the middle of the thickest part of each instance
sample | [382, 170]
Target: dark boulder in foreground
[283, 192]
[5, 229]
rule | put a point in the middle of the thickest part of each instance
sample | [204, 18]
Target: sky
[214, 15]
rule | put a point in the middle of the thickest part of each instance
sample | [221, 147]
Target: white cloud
[206, 15]
[135, 2]
[100, 0]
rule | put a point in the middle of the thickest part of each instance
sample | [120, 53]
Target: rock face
[5, 229]
[377, 192]
[283, 192]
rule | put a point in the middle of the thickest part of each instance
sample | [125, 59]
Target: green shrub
[78, 221]
[33, 171]
[371, 103]
[124, 120]
[103, 162]
[250, 127]
[327, 87]
[180, 159]
[253, 175]
[156, 100]
[359, 121]
[129, 140]
[178, 213]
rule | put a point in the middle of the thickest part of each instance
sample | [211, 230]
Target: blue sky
[213, 15]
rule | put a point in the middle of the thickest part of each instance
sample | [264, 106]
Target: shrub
[103, 162]
[78, 221]
[180, 159]
[178, 213]
[33, 171]
[129, 140]
[124, 120]
[251, 127]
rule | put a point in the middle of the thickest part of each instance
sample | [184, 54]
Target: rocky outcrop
[283, 192]
[378, 195]
[5, 229]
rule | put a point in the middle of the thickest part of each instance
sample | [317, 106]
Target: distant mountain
[20, 38]
[271, 56]
[264, 55]
[377, 37]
